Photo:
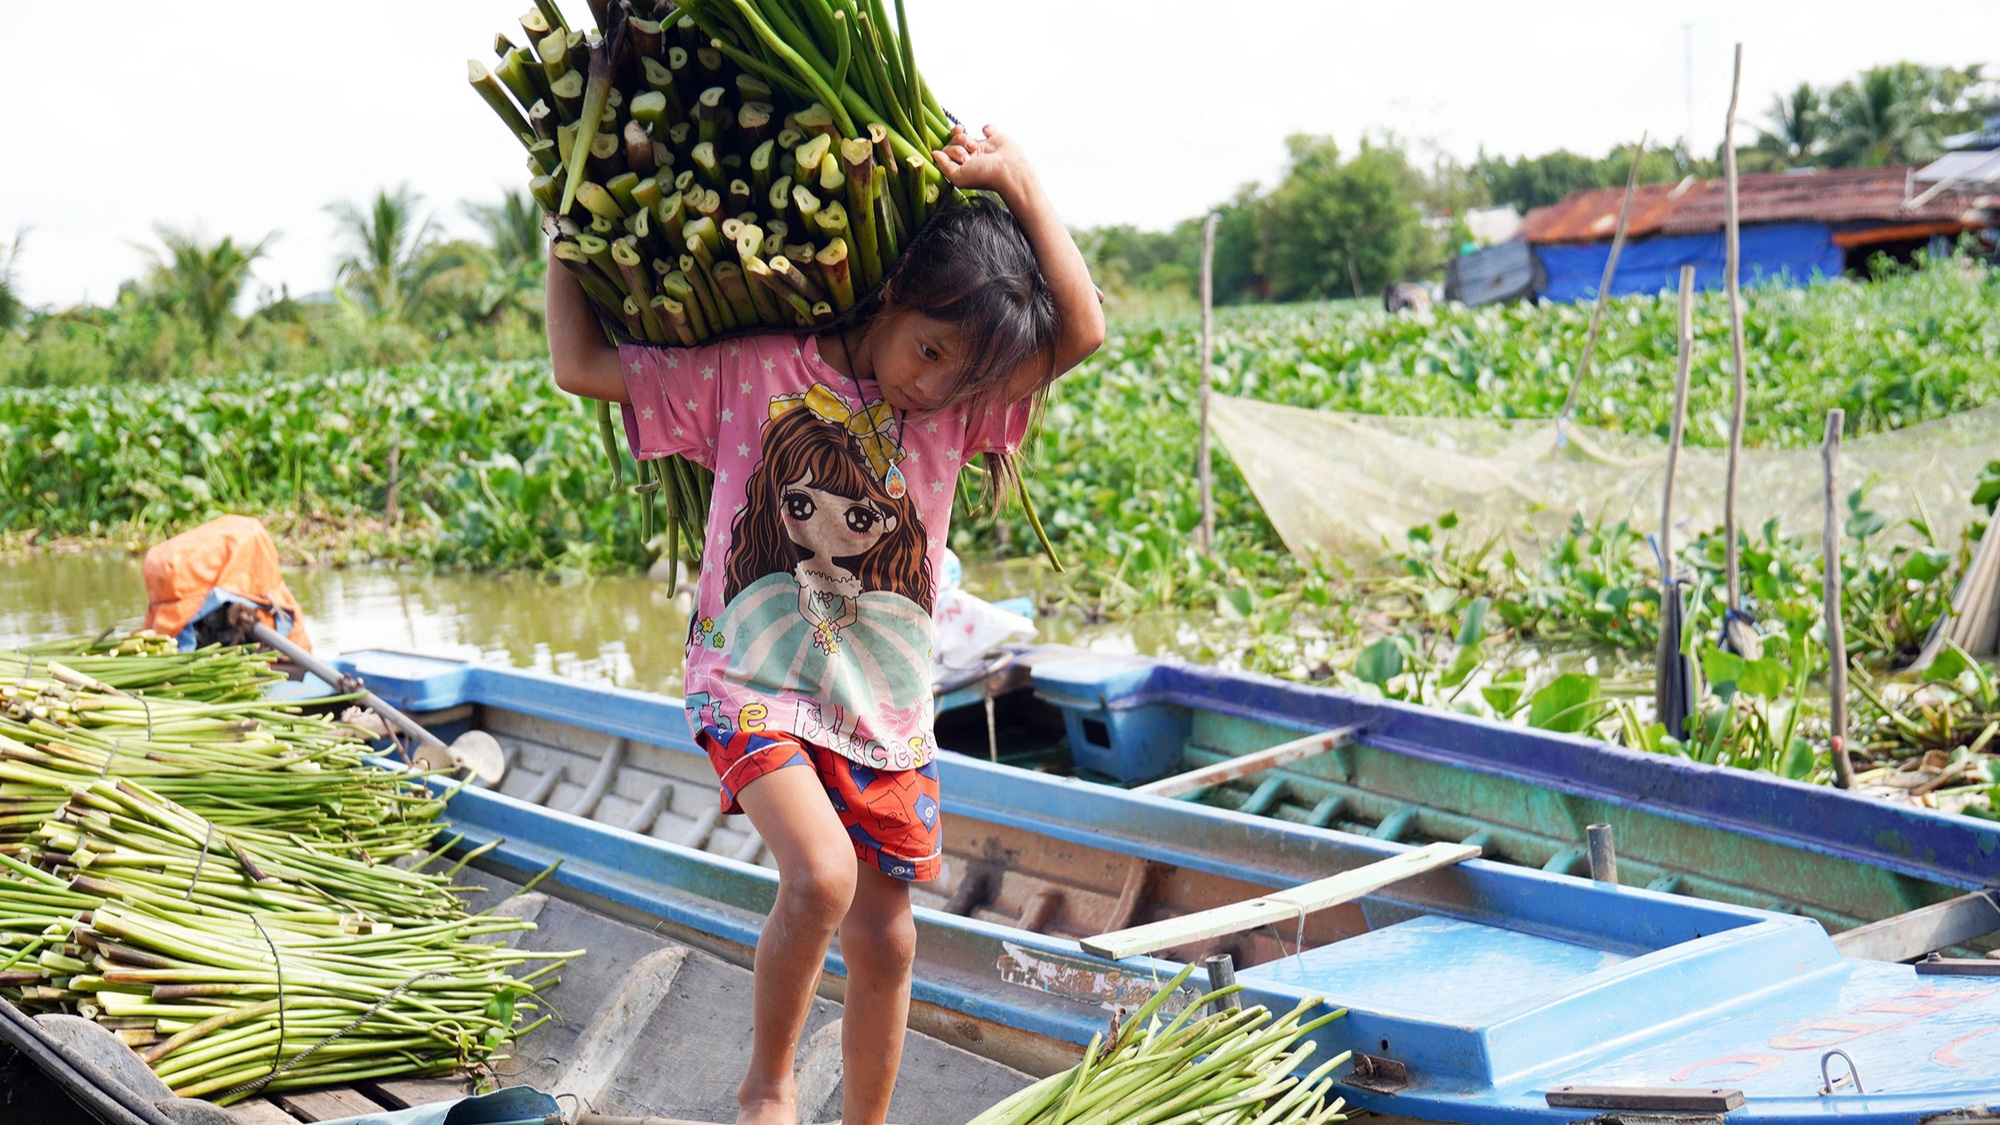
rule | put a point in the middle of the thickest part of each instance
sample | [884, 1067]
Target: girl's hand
[992, 162]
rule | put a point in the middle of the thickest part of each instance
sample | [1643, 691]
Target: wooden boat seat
[1278, 906]
[1285, 753]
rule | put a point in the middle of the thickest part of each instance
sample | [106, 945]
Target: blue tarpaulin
[1785, 252]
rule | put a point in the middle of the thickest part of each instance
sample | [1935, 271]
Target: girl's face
[917, 360]
[829, 525]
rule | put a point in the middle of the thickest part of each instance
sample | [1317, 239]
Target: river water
[623, 630]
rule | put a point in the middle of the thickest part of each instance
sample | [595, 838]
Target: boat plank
[1295, 902]
[260, 1112]
[1229, 769]
[1926, 929]
[326, 1105]
[403, 1093]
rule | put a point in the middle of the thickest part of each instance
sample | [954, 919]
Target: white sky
[249, 117]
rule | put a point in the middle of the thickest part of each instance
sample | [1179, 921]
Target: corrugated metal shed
[1846, 195]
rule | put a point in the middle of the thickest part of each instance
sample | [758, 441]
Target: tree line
[1346, 224]
[1336, 224]
[403, 292]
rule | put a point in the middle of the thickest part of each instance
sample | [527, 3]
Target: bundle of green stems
[718, 167]
[210, 675]
[1230, 1067]
[266, 769]
[262, 943]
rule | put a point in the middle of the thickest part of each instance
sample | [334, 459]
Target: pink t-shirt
[825, 534]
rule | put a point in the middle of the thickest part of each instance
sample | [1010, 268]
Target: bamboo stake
[1202, 464]
[395, 468]
[1673, 669]
[1731, 268]
[1681, 369]
[1603, 289]
[1836, 637]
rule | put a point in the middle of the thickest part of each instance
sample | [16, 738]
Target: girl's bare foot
[757, 1104]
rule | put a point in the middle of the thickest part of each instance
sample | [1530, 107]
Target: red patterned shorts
[892, 816]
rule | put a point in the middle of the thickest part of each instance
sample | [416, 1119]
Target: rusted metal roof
[1846, 195]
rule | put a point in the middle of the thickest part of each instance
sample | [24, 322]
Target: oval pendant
[894, 483]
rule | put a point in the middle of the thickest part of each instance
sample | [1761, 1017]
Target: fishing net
[1343, 484]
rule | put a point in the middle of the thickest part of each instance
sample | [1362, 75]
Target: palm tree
[1884, 118]
[393, 261]
[201, 280]
[512, 260]
[1798, 125]
[12, 309]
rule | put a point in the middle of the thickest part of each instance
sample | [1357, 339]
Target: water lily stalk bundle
[240, 953]
[715, 167]
[1232, 1067]
[240, 966]
[264, 769]
[209, 675]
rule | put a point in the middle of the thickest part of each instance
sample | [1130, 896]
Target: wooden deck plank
[260, 1112]
[402, 1093]
[1243, 765]
[326, 1105]
[1277, 906]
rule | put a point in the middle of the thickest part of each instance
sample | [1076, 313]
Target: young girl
[835, 461]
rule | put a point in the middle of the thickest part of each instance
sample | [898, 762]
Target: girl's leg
[815, 886]
[879, 942]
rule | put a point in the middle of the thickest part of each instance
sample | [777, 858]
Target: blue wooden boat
[1480, 991]
[1417, 775]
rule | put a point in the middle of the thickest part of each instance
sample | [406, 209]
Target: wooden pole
[1603, 287]
[1673, 670]
[1203, 469]
[1221, 974]
[283, 646]
[1836, 636]
[1686, 362]
[1731, 279]
[1603, 854]
[395, 467]
[1243, 765]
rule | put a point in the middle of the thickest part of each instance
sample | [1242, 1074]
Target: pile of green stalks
[719, 167]
[267, 771]
[1231, 1067]
[264, 943]
[210, 675]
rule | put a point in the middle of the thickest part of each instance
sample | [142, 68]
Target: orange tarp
[233, 554]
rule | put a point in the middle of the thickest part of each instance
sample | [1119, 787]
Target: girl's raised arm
[585, 362]
[995, 163]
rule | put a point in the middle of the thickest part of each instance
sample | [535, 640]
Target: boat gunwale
[1709, 796]
[1857, 817]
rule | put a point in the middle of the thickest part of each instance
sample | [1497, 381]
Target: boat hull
[1484, 985]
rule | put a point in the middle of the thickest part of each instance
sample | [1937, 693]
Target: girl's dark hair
[971, 266]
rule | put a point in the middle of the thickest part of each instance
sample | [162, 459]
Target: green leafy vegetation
[495, 467]
[406, 293]
[499, 470]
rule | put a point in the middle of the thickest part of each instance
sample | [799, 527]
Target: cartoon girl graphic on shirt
[828, 592]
